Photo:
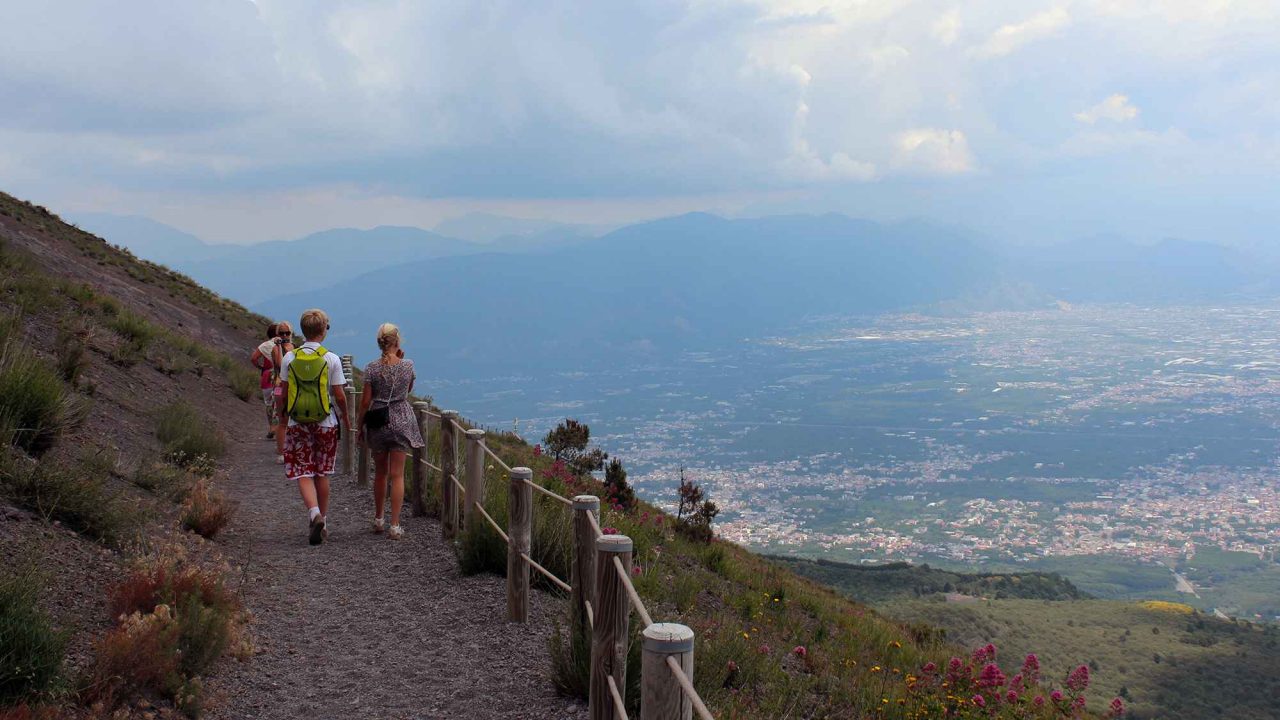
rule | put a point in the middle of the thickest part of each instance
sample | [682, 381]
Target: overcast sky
[1025, 119]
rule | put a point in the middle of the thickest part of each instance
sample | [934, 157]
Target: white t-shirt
[336, 380]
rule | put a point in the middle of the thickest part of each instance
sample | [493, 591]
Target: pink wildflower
[763, 649]
[636, 570]
[609, 531]
[954, 665]
[991, 676]
[1011, 697]
[1038, 700]
[979, 701]
[537, 451]
[732, 666]
[930, 667]
[1078, 680]
[1031, 668]
[800, 651]
[1117, 708]
[985, 653]
[1056, 696]
[1078, 702]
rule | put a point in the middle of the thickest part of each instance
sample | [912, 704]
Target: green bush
[31, 650]
[36, 407]
[188, 438]
[243, 382]
[70, 349]
[74, 493]
[163, 479]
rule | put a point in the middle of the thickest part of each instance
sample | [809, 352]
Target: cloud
[1115, 108]
[1010, 37]
[935, 152]
[946, 29]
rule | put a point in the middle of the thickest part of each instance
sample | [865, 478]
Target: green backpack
[308, 386]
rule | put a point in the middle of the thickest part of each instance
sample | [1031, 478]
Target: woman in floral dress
[387, 384]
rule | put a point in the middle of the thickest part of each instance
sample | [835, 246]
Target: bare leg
[322, 494]
[280, 429]
[380, 484]
[396, 476]
[307, 488]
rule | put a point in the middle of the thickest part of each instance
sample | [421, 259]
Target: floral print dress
[389, 386]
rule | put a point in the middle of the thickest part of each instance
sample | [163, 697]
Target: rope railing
[602, 593]
[636, 603]
[492, 523]
[619, 707]
[549, 493]
[686, 686]
[547, 573]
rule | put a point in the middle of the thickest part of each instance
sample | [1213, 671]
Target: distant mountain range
[543, 293]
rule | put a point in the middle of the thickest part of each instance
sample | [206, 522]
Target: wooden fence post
[474, 483]
[419, 497]
[609, 637]
[362, 452]
[349, 442]
[582, 576]
[661, 697]
[520, 532]
[449, 470]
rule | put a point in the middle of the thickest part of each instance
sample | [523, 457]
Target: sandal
[378, 524]
[395, 532]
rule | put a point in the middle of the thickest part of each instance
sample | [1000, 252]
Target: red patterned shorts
[309, 450]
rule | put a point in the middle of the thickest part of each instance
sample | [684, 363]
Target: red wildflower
[1056, 696]
[1117, 708]
[979, 701]
[800, 651]
[609, 531]
[930, 667]
[1078, 680]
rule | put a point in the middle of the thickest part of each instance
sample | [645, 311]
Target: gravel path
[367, 627]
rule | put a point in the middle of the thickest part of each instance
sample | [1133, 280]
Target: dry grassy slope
[153, 291]
[119, 424]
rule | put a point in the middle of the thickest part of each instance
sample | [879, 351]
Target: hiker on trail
[262, 359]
[312, 378]
[283, 346]
[388, 425]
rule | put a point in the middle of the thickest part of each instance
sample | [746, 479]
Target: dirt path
[367, 627]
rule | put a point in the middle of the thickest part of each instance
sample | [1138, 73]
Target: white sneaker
[378, 524]
[395, 532]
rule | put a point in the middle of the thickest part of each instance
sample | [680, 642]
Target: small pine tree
[695, 513]
[569, 442]
[617, 490]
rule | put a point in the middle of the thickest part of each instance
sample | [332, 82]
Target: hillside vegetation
[117, 394]
[875, 584]
[1165, 659]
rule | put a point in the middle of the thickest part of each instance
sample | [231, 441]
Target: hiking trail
[368, 627]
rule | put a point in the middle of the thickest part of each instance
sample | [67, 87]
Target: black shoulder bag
[376, 418]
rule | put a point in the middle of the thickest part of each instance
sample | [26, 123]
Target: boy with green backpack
[312, 383]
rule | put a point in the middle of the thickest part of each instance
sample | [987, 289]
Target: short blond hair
[388, 336]
[314, 323]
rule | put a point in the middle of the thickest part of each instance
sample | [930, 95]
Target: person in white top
[317, 415]
[261, 359]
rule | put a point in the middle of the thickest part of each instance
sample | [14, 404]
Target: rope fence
[602, 596]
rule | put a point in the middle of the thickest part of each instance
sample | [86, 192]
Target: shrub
[178, 618]
[569, 442]
[618, 491]
[243, 382]
[163, 479]
[206, 511]
[70, 349]
[186, 435]
[695, 512]
[74, 493]
[31, 651]
[35, 405]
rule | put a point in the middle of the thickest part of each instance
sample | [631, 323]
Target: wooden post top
[614, 544]
[586, 502]
[668, 638]
[450, 414]
[521, 473]
[475, 434]
[422, 405]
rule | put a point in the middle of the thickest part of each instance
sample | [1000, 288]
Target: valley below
[1131, 449]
